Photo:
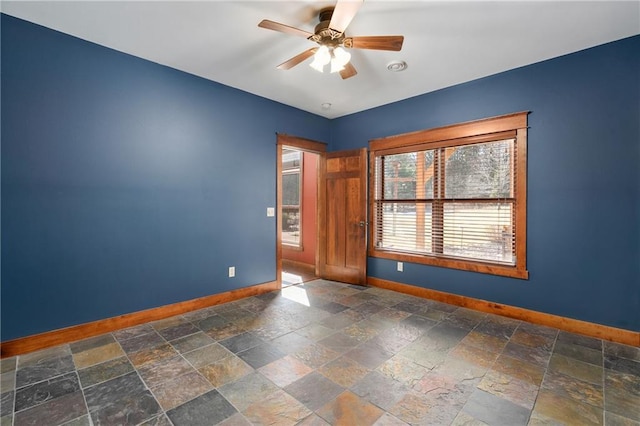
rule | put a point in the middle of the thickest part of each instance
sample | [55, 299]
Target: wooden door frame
[305, 145]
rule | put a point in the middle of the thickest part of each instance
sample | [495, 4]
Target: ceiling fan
[330, 35]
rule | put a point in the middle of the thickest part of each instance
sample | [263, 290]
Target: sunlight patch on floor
[291, 279]
[296, 294]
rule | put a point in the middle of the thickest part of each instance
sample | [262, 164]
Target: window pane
[290, 189]
[428, 173]
[400, 176]
[291, 225]
[291, 159]
[405, 226]
[479, 230]
[479, 171]
[404, 178]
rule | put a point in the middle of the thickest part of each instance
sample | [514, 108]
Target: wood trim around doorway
[301, 144]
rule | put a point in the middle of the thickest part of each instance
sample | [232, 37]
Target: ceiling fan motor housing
[326, 13]
[324, 35]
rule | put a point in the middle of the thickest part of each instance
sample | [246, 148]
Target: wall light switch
[271, 211]
[400, 267]
[232, 271]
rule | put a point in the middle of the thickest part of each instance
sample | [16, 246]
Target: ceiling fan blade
[276, 26]
[297, 59]
[375, 42]
[343, 13]
[348, 71]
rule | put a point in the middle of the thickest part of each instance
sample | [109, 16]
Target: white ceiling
[446, 42]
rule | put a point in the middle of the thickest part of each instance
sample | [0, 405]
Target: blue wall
[128, 185]
[583, 180]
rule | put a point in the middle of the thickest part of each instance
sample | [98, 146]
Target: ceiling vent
[397, 66]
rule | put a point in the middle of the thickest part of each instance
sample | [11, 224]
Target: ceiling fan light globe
[321, 58]
[323, 55]
[341, 56]
[336, 66]
[316, 65]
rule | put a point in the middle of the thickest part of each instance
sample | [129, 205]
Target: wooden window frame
[485, 130]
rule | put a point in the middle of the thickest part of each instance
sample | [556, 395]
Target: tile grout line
[126, 354]
[84, 398]
[604, 380]
[544, 376]
[15, 391]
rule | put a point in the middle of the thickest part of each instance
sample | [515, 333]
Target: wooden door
[343, 217]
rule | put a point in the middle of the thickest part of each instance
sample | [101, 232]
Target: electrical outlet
[232, 271]
[271, 211]
[400, 267]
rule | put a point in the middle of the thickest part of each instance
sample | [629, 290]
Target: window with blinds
[456, 202]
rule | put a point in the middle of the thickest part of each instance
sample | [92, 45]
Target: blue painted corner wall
[583, 180]
[127, 185]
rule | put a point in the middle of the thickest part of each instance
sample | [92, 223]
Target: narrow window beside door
[291, 196]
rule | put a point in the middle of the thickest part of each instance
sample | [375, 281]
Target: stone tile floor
[327, 353]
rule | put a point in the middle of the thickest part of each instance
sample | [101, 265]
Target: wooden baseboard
[301, 266]
[599, 331]
[83, 331]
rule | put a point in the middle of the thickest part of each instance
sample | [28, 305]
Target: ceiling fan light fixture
[321, 58]
[341, 56]
[335, 66]
[338, 57]
[317, 66]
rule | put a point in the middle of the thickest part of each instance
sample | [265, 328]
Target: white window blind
[451, 201]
